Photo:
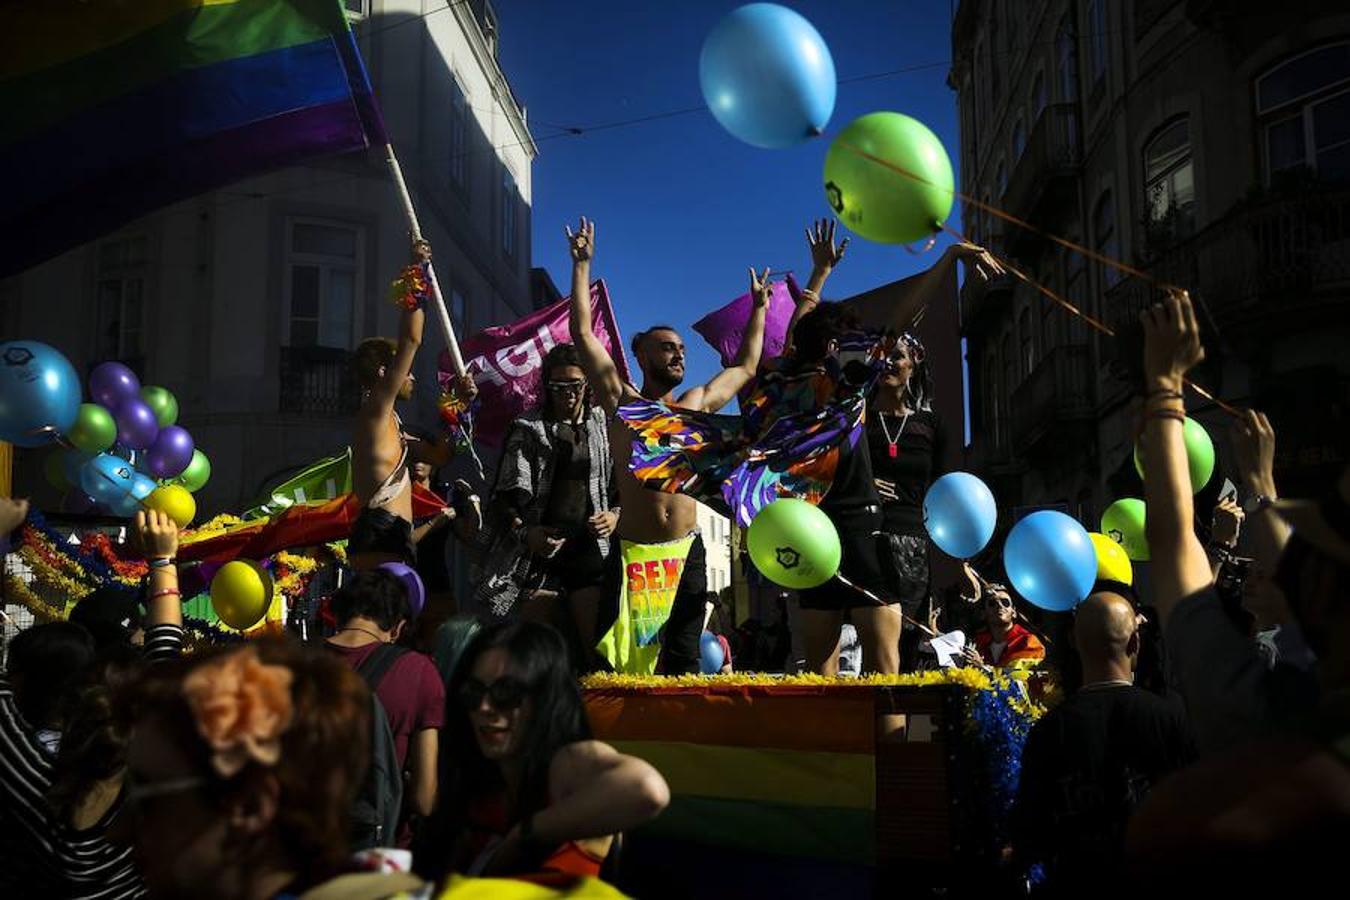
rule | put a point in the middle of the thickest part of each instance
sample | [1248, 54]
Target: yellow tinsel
[971, 678]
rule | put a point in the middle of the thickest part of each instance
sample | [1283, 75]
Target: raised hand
[421, 250]
[156, 534]
[1227, 523]
[760, 288]
[1171, 341]
[980, 262]
[825, 255]
[1254, 447]
[581, 243]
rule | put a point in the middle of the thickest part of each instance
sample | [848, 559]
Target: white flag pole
[442, 315]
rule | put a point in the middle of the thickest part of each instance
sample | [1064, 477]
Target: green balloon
[874, 199]
[794, 544]
[54, 468]
[197, 473]
[162, 402]
[1123, 522]
[94, 430]
[1199, 455]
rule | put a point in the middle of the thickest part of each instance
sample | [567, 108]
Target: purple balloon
[113, 384]
[171, 452]
[137, 426]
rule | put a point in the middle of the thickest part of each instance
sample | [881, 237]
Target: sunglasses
[571, 387]
[503, 695]
[998, 600]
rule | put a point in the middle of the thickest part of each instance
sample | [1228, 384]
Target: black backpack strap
[378, 664]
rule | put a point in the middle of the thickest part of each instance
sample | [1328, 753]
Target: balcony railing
[1054, 150]
[1058, 392]
[1254, 267]
[317, 381]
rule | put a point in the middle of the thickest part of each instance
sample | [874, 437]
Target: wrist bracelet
[167, 592]
[162, 562]
[1165, 392]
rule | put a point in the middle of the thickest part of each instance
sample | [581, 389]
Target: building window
[510, 200]
[1097, 39]
[323, 267]
[1009, 384]
[459, 311]
[1105, 240]
[1019, 139]
[459, 136]
[1303, 107]
[1066, 62]
[991, 399]
[356, 9]
[1038, 97]
[1169, 182]
[1028, 341]
[122, 271]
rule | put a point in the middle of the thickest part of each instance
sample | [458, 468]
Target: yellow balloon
[241, 593]
[1112, 563]
[175, 501]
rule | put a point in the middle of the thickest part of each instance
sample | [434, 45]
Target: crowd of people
[1203, 735]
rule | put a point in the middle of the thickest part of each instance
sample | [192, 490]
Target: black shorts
[860, 539]
[578, 564]
[380, 531]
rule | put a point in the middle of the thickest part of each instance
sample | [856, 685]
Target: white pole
[442, 316]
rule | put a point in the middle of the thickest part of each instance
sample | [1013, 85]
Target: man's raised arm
[599, 366]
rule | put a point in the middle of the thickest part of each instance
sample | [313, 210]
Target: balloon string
[1090, 320]
[1007, 217]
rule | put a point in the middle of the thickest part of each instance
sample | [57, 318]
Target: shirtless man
[652, 517]
[381, 459]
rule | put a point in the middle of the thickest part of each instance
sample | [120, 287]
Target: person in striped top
[69, 854]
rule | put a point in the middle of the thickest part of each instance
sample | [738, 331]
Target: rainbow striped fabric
[780, 770]
[115, 108]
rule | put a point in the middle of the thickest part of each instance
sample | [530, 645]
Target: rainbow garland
[63, 573]
[411, 289]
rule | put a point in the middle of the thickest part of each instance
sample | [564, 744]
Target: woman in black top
[907, 443]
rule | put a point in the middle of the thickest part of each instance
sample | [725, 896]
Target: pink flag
[505, 360]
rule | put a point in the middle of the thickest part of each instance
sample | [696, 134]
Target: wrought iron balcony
[1053, 153]
[317, 381]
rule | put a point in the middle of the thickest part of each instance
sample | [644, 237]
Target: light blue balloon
[39, 393]
[129, 504]
[710, 655]
[108, 479]
[767, 76]
[1050, 560]
[960, 514]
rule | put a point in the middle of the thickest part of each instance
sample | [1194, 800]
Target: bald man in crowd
[1090, 761]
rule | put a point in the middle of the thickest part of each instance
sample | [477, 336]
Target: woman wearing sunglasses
[527, 791]
[553, 509]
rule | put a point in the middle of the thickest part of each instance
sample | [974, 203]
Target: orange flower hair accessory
[242, 707]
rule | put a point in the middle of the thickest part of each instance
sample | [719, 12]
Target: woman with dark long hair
[526, 790]
[553, 510]
[907, 442]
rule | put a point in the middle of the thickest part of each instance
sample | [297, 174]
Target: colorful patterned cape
[786, 443]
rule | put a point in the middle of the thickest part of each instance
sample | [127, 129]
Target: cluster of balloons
[769, 79]
[122, 451]
[1050, 558]
[1123, 520]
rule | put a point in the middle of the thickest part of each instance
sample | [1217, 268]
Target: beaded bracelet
[167, 592]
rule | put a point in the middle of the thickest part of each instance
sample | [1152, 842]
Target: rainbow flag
[115, 108]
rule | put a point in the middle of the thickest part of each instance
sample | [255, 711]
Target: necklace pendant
[893, 451]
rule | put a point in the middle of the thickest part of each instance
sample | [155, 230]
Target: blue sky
[683, 208]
